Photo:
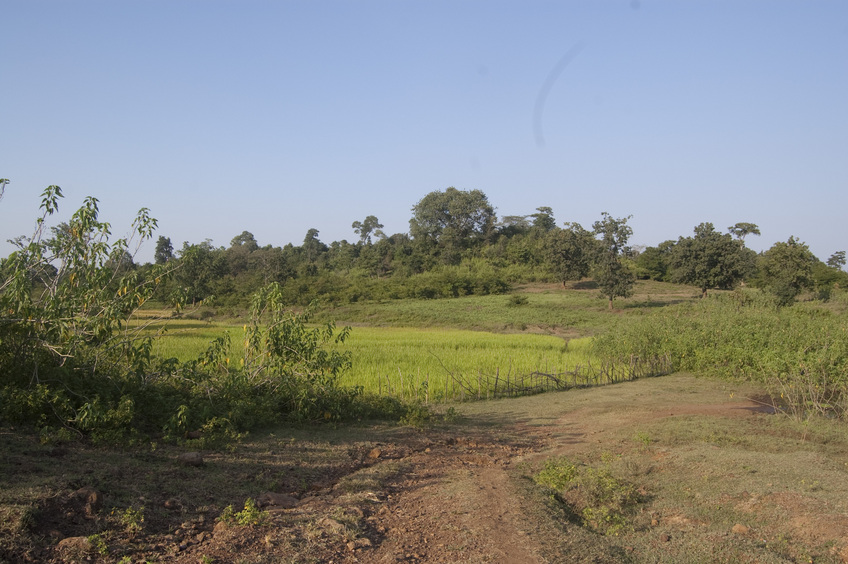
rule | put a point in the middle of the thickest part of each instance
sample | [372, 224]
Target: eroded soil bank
[720, 478]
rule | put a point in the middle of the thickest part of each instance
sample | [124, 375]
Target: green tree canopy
[710, 260]
[164, 250]
[201, 265]
[452, 221]
[787, 269]
[245, 241]
[570, 252]
[837, 260]
[614, 277]
[655, 262]
[743, 229]
[371, 225]
[543, 219]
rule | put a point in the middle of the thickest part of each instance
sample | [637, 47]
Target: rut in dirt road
[456, 505]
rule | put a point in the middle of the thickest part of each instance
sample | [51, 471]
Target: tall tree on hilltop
[164, 250]
[743, 229]
[837, 260]
[543, 219]
[452, 221]
[365, 228]
[246, 241]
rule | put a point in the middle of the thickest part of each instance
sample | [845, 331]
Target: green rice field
[427, 363]
[423, 363]
[455, 348]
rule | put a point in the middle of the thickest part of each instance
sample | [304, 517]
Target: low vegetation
[799, 354]
[97, 351]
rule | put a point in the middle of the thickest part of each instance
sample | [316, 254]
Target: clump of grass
[516, 300]
[602, 500]
[250, 516]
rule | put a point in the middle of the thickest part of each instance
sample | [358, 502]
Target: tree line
[456, 245]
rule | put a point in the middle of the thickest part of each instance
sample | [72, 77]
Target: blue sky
[278, 117]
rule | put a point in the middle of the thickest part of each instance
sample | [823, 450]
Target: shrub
[71, 358]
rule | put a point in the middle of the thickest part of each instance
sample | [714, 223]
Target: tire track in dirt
[456, 504]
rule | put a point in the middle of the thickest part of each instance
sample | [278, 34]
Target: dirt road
[720, 479]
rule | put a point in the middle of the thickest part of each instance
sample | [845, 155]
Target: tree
[614, 278]
[742, 230]
[543, 219]
[837, 260]
[710, 260]
[200, 267]
[313, 249]
[654, 262]
[511, 225]
[787, 269]
[570, 252]
[65, 302]
[365, 228]
[245, 241]
[164, 250]
[452, 221]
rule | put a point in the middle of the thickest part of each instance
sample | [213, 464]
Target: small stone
[740, 529]
[654, 522]
[375, 453]
[77, 544]
[92, 499]
[172, 503]
[277, 500]
[190, 459]
[665, 538]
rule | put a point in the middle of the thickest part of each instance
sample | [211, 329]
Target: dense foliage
[75, 356]
[457, 246]
[800, 354]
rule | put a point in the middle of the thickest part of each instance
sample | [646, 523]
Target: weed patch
[250, 516]
[603, 500]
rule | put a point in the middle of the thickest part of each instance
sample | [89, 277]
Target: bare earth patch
[720, 478]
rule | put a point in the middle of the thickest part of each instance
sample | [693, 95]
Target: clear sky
[280, 116]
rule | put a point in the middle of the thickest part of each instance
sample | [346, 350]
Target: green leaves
[66, 297]
[787, 269]
[800, 353]
[710, 260]
[614, 277]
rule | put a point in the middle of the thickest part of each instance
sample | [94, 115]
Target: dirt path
[461, 492]
[459, 501]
